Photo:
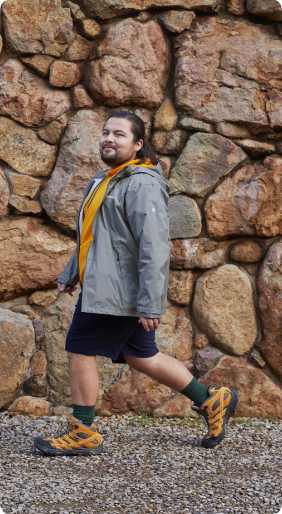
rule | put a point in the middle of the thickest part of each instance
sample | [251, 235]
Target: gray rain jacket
[127, 263]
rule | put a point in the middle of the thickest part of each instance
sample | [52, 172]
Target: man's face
[116, 144]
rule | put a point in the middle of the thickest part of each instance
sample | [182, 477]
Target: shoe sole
[229, 412]
[86, 452]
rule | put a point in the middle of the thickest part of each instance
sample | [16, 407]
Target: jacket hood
[155, 171]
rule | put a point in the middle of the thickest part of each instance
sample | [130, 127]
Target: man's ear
[139, 145]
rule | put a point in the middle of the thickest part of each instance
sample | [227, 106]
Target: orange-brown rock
[49, 28]
[197, 253]
[256, 148]
[4, 194]
[23, 185]
[224, 309]
[169, 143]
[274, 107]
[120, 74]
[81, 98]
[53, 132]
[32, 255]
[270, 305]
[249, 251]
[204, 160]
[236, 7]
[30, 405]
[90, 28]
[27, 98]
[185, 218]
[43, 298]
[78, 161]
[175, 335]
[180, 286]
[200, 341]
[23, 151]
[78, 50]
[259, 396]
[40, 63]
[178, 406]
[75, 10]
[257, 359]
[166, 117]
[249, 203]
[270, 9]
[17, 344]
[25, 205]
[218, 70]
[165, 163]
[64, 74]
[38, 364]
[232, 130]
[177, 21]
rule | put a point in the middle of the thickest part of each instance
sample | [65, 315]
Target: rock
[257, 359]
[28, 405]
[32, 255]
[180, 287]
[165, 163]
[4, 194]
[25, 310]
[24, 205]
[81, 98]
[40, 63]
[61, 410]
[24, 186]
[249, 251]
[219, 71]
[249, 203]
[270, 304]
[120, 75]
[232, 130]
[177, 21]
[270, 9]
[35, 386]
[236, 7]
[27, 98]
[23, 151]
[184, 217]
[17, 344]
[179, 407]
[90, 28]
[1, 44]
[43, 298]
[200, 341]
[224, 309]
[49, 29]
[169, 143]
[75, 10]
[206, 359]
[106, 9]
[64, 74]
[197, 253]
[38, 364]
[259, 396]
[78, 157]
[274, 108]
[256, 148]
[204, 160]
[78, 50]
[166, 117]
[38, 329]
[145, 115]
[190, 125]
[52, 133]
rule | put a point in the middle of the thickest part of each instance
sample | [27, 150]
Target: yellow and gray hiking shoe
[78, 439]
[217, 410]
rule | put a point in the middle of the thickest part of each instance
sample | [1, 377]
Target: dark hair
[138, 130]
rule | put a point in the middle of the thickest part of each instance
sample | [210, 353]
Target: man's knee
[141, 364]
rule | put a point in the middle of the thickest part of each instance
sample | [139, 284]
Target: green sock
[84, 413]
[196, 392]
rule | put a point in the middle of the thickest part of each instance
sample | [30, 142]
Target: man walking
[122, 263]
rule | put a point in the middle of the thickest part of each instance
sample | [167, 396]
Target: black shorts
[109, 336]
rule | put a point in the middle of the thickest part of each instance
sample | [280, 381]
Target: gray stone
[206, 359]
[184, 218]
[38, 329]
[190, 124]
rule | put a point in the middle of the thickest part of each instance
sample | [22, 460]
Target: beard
[111, 159]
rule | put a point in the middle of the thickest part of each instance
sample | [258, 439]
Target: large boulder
[33, 255]
[249, 203]
[33, 26]
[24, 151]
[219, 67]
[259, 396]
[270, 307]
[197, 253]
[224, 309]
[17, 344]
[27, 98]
[270, 9]
[175, 335]
[77, 162]
[130, 65]
[204, 160]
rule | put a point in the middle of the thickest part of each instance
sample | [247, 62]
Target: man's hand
[150, 323]
[66, 289]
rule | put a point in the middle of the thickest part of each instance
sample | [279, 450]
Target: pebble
[149, 465]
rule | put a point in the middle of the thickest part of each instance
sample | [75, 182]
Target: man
[122, 262]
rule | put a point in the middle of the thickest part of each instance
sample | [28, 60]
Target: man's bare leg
[84, 379]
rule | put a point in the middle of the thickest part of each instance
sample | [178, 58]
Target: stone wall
[206, 77]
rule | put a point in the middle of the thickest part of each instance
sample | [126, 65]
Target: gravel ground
[148, 465]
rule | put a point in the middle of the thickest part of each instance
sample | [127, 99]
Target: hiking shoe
[217, 410]
[78, 439]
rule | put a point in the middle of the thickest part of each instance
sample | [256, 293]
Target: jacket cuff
[149, 315]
